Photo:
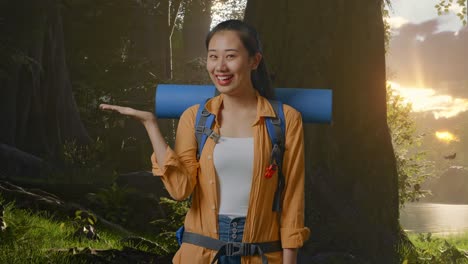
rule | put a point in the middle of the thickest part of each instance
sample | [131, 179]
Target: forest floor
[38, 237]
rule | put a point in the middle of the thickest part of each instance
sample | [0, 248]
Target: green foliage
[85, 164]
[176, 212]
[3, 224]
[113, 203]
[84, 218]
[412, 166]
[84, 224]
[443, 7]
[387, 28]
[76, 155]
[435, 250]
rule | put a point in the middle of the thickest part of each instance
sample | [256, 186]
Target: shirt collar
[264, 108]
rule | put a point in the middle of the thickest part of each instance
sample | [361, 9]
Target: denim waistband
[229, 246]
[231, 229]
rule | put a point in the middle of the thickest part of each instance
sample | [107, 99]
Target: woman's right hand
[142, 116]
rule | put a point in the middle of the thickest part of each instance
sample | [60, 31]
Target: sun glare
[428, 100]
[396, 22]
[446, 136]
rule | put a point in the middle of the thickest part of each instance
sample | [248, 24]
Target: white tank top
[233, 161]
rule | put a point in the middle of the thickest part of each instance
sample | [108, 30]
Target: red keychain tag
[270, 170]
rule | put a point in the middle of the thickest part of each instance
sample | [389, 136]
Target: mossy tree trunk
[351, 177]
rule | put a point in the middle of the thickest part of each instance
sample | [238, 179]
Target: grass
[33, 237]
[437, 249]
[36, 237]
[458, 240]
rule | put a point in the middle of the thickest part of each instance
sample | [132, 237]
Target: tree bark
[351, 177]
[39, 110]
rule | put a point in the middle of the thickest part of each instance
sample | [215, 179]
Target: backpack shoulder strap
[276, 127]
[203, 124]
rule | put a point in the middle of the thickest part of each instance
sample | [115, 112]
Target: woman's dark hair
[249, 38]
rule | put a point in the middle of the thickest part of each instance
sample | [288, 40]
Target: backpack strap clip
[215, 137]
[276, 121]
[205, 112]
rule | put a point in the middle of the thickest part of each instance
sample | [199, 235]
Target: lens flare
[428, 100]
[446, 136]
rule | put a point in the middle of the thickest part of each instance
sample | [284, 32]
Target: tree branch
[173, 15]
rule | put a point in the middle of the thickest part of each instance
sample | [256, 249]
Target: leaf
[93, 217]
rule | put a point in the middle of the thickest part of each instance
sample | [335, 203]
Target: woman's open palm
[142, 116]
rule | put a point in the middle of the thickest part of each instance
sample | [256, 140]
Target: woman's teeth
[223, 78]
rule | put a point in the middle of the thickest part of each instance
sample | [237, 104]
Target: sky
[418, 11]
[427, 59]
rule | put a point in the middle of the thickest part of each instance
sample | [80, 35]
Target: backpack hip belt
[232, 248]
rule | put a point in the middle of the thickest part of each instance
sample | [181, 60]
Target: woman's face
[229, 63]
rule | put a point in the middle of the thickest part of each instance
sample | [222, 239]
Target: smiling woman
[242, 170]
[229, 64]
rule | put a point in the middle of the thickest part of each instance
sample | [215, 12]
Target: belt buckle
[234, 249]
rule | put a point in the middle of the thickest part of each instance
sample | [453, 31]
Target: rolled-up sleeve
[179, 170]
[293, 232]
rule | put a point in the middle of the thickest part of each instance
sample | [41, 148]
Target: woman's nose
[221, 65]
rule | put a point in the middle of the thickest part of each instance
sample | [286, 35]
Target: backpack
[276, 131]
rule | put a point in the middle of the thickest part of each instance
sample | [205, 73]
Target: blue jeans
[230, 230]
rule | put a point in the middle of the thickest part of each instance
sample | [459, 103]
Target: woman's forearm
[289, 255]
[157, 140]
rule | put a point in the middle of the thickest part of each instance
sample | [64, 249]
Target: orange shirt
[183, 175]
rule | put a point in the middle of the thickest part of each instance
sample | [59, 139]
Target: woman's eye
[213, 56]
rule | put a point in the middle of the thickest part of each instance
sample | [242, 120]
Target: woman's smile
[224, 79]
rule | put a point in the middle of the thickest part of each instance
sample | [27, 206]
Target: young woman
[231, 197]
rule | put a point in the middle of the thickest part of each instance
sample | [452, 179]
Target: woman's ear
[256, 60]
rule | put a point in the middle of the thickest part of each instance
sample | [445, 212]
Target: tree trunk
[351, 177]
[39, 110]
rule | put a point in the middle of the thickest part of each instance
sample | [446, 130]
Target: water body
[435, 218]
